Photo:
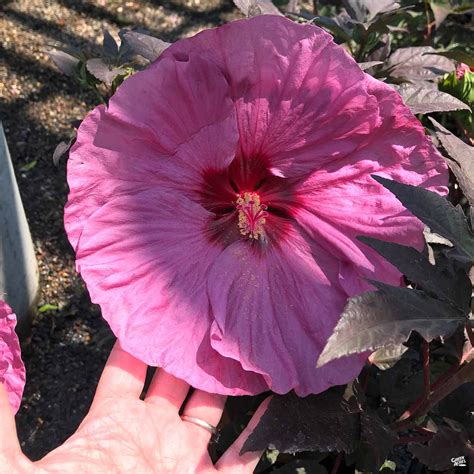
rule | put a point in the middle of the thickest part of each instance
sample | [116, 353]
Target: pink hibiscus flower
[215, 204]
[12, 370]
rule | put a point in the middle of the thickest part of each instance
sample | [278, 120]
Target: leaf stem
[414, 439]
[337, 463]
[470, 334]
[446, 383]
[426, 369]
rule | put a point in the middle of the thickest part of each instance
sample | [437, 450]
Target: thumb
[232, 461]
[8, 435]
[12, 460]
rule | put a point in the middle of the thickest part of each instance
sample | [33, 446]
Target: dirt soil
[67, 348]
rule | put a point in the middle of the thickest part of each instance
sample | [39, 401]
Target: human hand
[123, 434]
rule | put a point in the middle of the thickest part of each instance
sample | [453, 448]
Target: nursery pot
[18, 266]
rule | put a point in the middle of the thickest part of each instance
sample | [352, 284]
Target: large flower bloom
[215, 204]
[12, 370]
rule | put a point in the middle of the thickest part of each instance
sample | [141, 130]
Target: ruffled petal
[274, 311]
[341, 201]
[160, 130]
[12, 369]
[145, 259]
[301, 100]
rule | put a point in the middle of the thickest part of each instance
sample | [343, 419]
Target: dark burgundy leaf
[302, 466]
[365, 10]
[380, 318]
[458, 55]
[423, 100]
[440, 11]
[369, 64]
[65, 62]
[335, 25]
[109, 45]
[381, 51]
[145, 45]
[446, 445]
[60, 150]
[414, 64]
[459, 406]
[257, 7]
[441, 281]
[386, 357]
[102, 71]
[320, 422]
[376, 441]
[436, 212]
[461, 159]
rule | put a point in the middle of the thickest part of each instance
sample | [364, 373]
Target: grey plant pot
[18, 267]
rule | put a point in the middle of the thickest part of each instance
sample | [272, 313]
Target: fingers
[207, 407]
[8, 436]
[231, 461]
[167, 389]
[123, 376]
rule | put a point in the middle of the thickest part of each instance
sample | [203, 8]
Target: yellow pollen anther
[252, 215]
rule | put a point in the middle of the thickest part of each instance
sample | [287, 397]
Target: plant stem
[426, 369]
[445, 384]
[315, 7]
[414, 439]
[470, 334]
[428, 23]
[337, 463]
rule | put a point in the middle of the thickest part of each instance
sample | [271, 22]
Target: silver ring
[203, 424]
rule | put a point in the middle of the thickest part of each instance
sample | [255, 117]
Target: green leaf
[461, 159]
[320, 422]
[29, 166]
[424, 100]
[388, 466]
[434, 211]
[386, 317]
[47, 307]
[445, 282]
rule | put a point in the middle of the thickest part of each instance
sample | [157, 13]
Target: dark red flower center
[247, 200]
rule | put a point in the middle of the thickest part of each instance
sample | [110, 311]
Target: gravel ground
[67, 348]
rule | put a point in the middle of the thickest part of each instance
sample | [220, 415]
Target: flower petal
[152, 291]
[341, 201]
[274, 311]
[160, 130]
[301, 100]
[12, 369]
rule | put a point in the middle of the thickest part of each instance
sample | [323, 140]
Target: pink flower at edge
[12, 369]
[461, 69]
[214, 205]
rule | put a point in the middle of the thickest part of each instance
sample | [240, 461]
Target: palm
[132, 436]
[123, 434]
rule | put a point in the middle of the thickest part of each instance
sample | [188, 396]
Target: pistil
[252, 215]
